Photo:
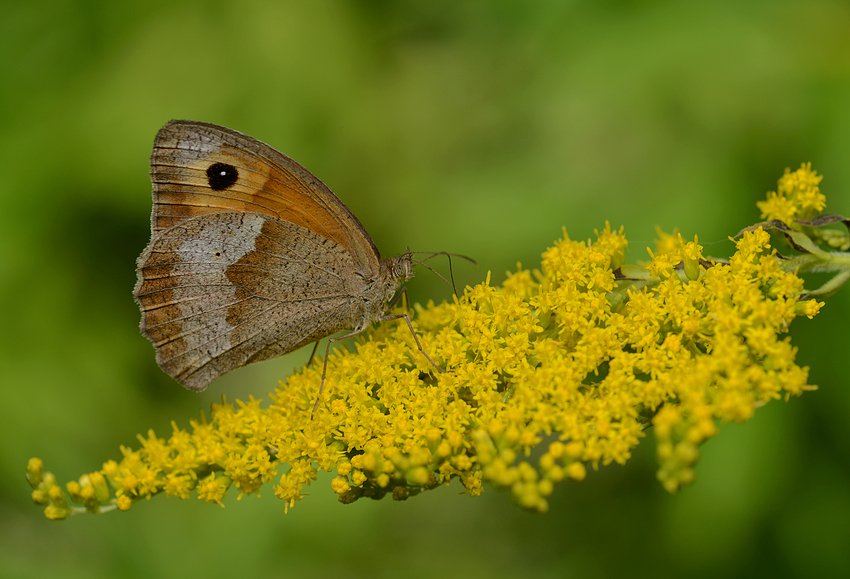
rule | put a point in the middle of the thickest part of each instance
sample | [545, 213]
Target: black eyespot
[222, 176]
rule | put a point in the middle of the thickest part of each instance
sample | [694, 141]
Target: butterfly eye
[222, 176]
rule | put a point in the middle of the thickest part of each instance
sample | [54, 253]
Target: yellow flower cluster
[797, 196]
[555, 371]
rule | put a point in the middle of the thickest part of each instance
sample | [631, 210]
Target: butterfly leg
[402, 293]
[415, 337]
[312, 354]
[325, 363]
[398, 296]
[406, 300]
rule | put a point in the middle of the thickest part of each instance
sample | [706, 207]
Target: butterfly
[251, 257]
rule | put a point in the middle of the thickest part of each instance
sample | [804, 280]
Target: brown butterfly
[251, 257]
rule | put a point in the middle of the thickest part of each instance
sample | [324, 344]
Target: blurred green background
[468, 126]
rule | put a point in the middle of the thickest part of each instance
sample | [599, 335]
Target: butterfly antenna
[434, 271]
[433, 254]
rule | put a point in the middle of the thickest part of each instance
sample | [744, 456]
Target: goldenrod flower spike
[586, 354]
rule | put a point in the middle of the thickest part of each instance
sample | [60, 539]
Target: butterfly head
[397, 270]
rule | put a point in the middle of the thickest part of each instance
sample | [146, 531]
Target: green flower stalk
[574, 361]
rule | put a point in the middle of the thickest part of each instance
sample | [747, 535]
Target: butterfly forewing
[268, 182]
